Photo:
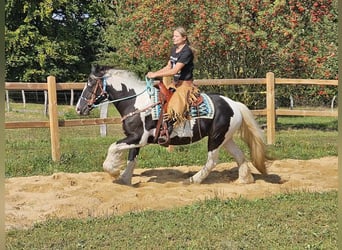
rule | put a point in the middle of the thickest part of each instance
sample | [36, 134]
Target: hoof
[114, 173]
[245, 181]
[187, 182]
[122, 182]
[192, 181]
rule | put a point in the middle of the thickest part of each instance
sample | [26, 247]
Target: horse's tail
[252, 134]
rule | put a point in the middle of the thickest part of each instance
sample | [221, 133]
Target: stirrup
[163, 140]
[164, 137]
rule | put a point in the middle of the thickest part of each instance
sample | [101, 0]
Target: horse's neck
[133, 105]
[128, 95]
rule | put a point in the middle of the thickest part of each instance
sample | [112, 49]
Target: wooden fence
[54, 123]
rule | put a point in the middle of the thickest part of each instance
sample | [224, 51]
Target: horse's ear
[98, 70]
[94, 68]
[101, 70]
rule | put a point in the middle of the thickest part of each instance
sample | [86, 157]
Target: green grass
[287, 221]
[28, 151]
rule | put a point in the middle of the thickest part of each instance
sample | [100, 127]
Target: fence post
[7, 101]
[46, 105]
[24, 97]
[103, 114]
[53, 116]
[270, 107]
[71, 97]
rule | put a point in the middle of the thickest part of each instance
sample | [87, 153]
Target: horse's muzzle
[84, 111]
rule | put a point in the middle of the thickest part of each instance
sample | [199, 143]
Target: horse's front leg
[127, 174]
[114, 162]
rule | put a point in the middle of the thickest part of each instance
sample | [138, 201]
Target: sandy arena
[65, 195]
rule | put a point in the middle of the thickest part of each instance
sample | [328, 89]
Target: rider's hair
[182, 31]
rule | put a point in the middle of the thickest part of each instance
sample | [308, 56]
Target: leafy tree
[51, 37]
[233, 38]
[304, 33]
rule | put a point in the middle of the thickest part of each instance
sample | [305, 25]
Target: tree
[45, 37]
[234, 38]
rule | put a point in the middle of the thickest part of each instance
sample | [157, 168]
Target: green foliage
[306, 96]
[45, 37]
[287, 221]
[235, 40]
[293, 39]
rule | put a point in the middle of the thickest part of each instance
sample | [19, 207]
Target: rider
[181, 67]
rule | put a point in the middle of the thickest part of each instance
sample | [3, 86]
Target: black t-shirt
[185, 56]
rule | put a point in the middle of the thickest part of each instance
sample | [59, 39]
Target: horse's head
[93, 93]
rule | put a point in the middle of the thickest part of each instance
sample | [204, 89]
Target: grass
[28, 151]
[287, 221]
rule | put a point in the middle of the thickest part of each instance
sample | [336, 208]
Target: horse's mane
[117, 76]
[122, 73]
[99, 71]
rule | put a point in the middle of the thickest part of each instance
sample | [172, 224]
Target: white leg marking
[235, 151]
[245, 175]
[113, 161]
[204, 172]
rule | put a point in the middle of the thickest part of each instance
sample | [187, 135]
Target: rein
[139, 111]
[149, 89]
[95, 102]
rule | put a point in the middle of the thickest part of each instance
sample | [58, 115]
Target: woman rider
[180, 66]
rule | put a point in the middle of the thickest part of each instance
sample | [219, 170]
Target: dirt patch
[65, 195]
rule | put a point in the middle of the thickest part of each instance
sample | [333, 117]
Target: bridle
[95, 100]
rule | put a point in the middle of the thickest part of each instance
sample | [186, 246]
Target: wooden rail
[42, 86]
[63, 123]
[52, 87]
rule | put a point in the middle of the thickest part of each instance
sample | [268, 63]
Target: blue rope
[104, 82]
[149, 86]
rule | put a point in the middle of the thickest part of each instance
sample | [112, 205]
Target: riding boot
[165, 137]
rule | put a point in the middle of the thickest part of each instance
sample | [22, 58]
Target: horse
[131, 97]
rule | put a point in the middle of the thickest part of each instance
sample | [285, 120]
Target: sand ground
[65, 195]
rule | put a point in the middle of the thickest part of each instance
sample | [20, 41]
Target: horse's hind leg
[204, 172]
[245, 175]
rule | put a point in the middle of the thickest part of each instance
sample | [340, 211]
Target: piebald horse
[132, 99]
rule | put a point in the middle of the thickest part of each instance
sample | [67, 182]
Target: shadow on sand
[215, 176]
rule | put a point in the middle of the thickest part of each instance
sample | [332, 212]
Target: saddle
[164, 97]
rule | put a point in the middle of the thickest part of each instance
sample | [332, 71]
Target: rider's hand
[150, 75]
